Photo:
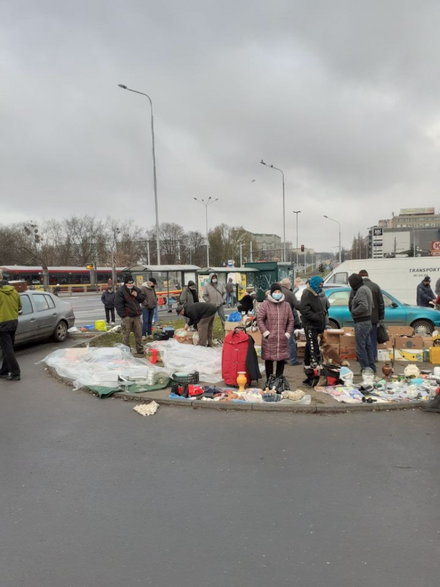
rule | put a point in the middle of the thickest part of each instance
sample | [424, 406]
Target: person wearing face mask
[313, 318]
[108, 299]
[275, 321]
[189, 295]
[128, 300]
[214, 293]
[149, 306]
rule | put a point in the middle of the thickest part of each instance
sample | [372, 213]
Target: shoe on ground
[10, 377]
[4, 375]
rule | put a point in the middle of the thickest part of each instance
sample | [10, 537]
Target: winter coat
[238, 354]
[313, 315]
[291, 298]
[378, 311]
[195, 312]
[424, 295]
[126, 304]
[108, 299]
[10, 305]
[361, 305]
[150, 300]
[188, 297]
[276, 318]
[246, 304]
[214, 293]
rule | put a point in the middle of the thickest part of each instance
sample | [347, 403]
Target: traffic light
[302, 248]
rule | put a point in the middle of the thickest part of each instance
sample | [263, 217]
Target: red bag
[235, 348]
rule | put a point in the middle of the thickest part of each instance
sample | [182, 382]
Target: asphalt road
[94, 495]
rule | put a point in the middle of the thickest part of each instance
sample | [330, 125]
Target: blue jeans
[293, 358]
[364, 349]
[373, 336]
[147, 320]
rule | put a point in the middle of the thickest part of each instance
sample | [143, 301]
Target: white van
[399, 277]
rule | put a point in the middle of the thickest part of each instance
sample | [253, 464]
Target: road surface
[94, 495]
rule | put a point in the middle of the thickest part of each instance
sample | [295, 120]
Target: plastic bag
[234, 317]
[382, 334]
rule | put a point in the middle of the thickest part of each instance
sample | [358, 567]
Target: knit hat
[426, 278]
[355, 281]
[128, 279]
[274, 287]
[153, 280]
[315, 283]
[179, 308]
[190, 283]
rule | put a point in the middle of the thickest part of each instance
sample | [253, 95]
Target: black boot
[269, 382]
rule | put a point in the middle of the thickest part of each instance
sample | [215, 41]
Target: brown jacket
[277, 318]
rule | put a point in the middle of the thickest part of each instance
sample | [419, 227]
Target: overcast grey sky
[344, 96]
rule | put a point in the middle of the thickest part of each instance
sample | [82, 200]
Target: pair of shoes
[10, 377]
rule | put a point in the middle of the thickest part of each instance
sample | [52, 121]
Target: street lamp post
[297, 253]
[339, 232]
[206, 202]
[156, 206]
[284, 205]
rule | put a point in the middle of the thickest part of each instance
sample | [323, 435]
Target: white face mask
[214, 281]
[130, 285]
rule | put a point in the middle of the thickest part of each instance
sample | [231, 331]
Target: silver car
[43, 316]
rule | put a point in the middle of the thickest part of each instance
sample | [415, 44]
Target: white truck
[399, 277]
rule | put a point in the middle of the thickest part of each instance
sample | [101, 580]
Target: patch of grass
[112, 338]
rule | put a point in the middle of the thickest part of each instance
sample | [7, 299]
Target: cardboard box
[348, 329]
[300, 349]
[408, 355]
[408, 342]
[330, 337]
[399, 331]
[231, 325]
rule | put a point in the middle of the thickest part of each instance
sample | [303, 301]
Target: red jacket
[235, 347]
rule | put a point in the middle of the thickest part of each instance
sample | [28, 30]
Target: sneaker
[10, 377]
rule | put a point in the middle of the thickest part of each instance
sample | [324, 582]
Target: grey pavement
[95, 495]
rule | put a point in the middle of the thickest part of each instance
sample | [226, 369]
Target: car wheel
[423, 327]
[333, 324]
[60, 333]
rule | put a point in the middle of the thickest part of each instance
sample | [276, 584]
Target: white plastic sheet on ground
[180, 357]
[102, 366]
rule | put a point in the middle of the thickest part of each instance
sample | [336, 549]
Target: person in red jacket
[275, 321]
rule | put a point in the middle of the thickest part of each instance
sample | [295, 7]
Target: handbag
[382, 333]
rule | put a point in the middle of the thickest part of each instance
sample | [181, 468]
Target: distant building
[412, 232]
[269, 246]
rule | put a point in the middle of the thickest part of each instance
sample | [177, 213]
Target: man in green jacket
[10, 306]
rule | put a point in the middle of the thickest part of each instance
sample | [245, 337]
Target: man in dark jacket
[361, 307]
[148, 306]
[128, 301]
[201, 315]
[378, 312]
[108, 299]
[313, 321]
[425, 295]
[290, 297]
[10, 306]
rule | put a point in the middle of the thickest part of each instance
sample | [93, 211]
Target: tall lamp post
[297, 253]
[156, 207]
[206, 202]
[339, 232]
[284, 205]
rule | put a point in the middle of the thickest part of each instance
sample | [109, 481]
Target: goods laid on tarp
[411, 386]
[107, 369]
[184, 358]
[249, 395]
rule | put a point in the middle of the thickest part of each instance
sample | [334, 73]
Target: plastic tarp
[185, 358]
[113, 368]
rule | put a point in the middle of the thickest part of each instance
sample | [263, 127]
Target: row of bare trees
[78, 241]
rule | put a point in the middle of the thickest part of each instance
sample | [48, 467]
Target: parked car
[43, 316]
[423, 320]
